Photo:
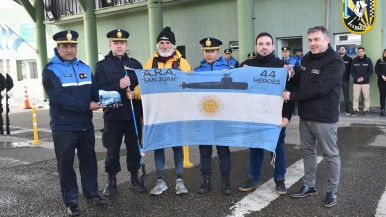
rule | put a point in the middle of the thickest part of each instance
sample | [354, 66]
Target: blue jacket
[217, 65]
[70, 87]
[232, 63]
[289, 61]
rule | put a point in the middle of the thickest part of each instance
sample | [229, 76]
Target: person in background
[380, 70]
[346, 78]
[232, 62]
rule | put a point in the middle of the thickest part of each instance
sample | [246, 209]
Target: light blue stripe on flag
[239, 107]
[2, 37]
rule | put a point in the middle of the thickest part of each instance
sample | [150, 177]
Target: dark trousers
[256, 159]
[113, 133]
[345, 92]
[382, 92]
[224, 155]
[7, 122]
[65, 143]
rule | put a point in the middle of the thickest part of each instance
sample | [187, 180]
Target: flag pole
[22, 39]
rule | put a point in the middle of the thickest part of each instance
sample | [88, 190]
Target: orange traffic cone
[26, 101]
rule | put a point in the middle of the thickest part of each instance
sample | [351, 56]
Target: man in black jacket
[266, 58]
[318, 94]
[361, 70]
[111, 75]
[346, 78]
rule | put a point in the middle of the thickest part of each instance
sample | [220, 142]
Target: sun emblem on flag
[210, 106]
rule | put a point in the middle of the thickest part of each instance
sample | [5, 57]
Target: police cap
[285, 48]
[228, 51]
[66, 37]
[210, 43]
[117, 35]
[298, 49]
[251, 55]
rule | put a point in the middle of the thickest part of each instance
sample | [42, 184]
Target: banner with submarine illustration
[240, 107]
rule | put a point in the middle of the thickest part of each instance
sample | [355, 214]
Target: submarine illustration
[225, 83]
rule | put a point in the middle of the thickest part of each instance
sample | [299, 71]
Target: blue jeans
[256, 159]
[159, 159]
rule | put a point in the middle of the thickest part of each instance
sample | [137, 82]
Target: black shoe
[111, 185]
[382, 112]
[304, 192]
[330, 199]
[97, 200]
[205, 186]
[137, 184]
[225, 186]
[280, 187]
[355, 113]
[73, 210]
[249, 184]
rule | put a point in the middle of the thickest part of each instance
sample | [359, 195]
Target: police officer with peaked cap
[73, 96]
[287, 58]
[111, 75]
[232, 62]
[211, 62]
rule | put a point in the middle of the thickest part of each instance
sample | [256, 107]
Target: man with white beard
[167, 56]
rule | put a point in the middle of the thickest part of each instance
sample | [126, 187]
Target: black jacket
[108, 74]
[361, 67]
[380, 68]
[319, 83]
[347, 63]
[271, 61]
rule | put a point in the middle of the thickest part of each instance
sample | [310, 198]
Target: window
[27, 69]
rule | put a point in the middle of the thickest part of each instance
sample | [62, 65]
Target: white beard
[165, 52]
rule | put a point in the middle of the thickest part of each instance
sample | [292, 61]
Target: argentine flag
[12, 40]
[2, 38]
[239, 107]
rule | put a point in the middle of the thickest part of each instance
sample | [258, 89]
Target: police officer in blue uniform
[232, 62]
[287, 58]
[73, 96]
[298, 57]
[118, 121]
[211, 62]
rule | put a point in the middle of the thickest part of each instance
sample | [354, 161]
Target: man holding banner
[318, 94]
[111, 75]
[266, 58]
[167, 56]
[210, 47]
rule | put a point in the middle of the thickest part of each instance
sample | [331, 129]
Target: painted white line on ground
[262, 196]
[381, 209]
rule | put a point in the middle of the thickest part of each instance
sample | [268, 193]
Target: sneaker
[347, 113]
[180, 187]
[249, 184]
[367, 113]
[73, 211]
[355, 113]
[159, 187]
[280, 187]
[138, 185]
[330, 199]
[304, 192]
[97, 200]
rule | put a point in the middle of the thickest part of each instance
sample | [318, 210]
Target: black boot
[111, 185]
[137, 184]
[226, 186]
[205, 186]
[382, 112]
[1, 131]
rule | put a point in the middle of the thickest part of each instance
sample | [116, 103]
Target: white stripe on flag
[244, 107]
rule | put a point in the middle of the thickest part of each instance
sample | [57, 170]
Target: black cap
[117, 35]
[285, 48]
[167, 35]
[66, 37]
[298, 49]
[228, 51]
[251, 55]
[210, 44]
